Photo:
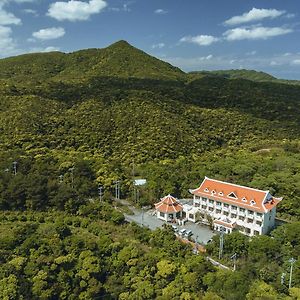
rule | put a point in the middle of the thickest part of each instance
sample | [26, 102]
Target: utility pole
[133, 171]
[15, 167]
[117, 189]
[137, 195]
[282, 277]
[196, 245]
[133, 175]
[234, 261]
[142, 216]
[291, 261]
[100, 187]
[222, 229]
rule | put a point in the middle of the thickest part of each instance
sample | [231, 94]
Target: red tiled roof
[168, 204]
[241, 196]
[225, 224]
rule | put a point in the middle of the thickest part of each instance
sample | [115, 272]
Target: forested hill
[118, 60]
[242, 74]
[112, 106]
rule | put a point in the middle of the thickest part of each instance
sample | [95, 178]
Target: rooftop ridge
[237, 185]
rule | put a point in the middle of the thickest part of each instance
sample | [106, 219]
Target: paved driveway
[201, 233]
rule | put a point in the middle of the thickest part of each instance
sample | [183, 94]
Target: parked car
[175, 228]
[182, 231]
[188, 233]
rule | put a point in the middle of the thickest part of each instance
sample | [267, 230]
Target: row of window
[232, 215]
[241, 229]
[225, 205]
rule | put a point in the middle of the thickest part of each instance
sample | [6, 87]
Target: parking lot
[201, 233]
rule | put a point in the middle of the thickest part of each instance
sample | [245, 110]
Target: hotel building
[231, 206]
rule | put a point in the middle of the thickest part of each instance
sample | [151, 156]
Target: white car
[182, 231]
[175, 228]
[188, 233]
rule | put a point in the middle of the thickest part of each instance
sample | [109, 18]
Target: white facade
[247, 221]
[232, 207]
[168, 217]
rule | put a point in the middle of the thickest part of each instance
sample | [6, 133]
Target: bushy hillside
[241, 74]
[117, 105]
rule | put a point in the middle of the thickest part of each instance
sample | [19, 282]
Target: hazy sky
[191, 34]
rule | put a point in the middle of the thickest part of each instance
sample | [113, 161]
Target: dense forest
[69, 122]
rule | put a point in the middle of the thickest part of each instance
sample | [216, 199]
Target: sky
[193, 35]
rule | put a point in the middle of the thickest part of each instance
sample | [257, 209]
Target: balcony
[259, 218]
[250, 216]
[234, 209]
[242, 213]
[225, 208]
[211, 204]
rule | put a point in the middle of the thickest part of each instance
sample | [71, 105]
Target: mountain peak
[120, 44]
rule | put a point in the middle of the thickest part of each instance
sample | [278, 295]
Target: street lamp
[291, 261]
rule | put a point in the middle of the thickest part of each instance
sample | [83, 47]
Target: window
[252, 202]
[197, 205]
[233, 216]
[219, 203]
[258, 223]
[218, 211]
[250, 212]
[248, 230]
[226, 205]
[221, 194]
[191, 216]
[225, 213]
[210, 209]
[244, 199]
[242, 209]
[256, 232]
[213, 192]
[204, 199]
[241, 218]
[249, 220]
[206, 190]
[211, 201]
[203, 206]
[233, 207]
[162, 214]
[259, 214]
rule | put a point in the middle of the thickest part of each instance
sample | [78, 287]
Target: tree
[9, 288]
[259, 290]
